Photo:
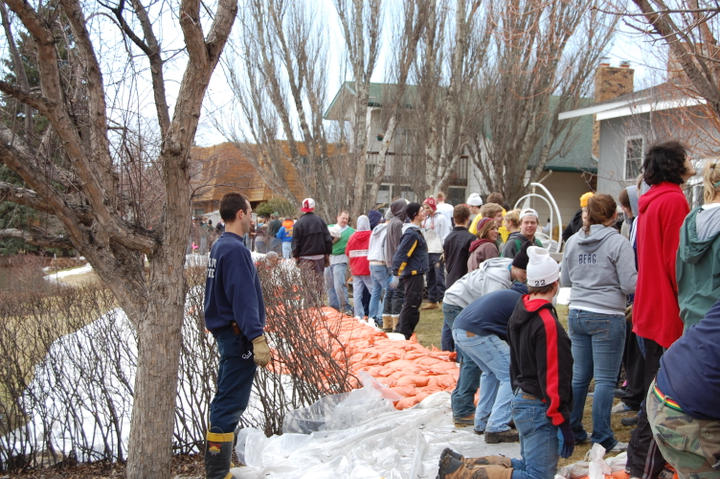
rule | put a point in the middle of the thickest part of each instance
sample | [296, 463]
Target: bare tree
[279, 83]
[448, 104]
[690, 29]
[77, 179]
[544, 54]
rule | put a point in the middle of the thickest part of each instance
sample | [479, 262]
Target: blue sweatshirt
[232, 288]
[489, 314]
[690, 370]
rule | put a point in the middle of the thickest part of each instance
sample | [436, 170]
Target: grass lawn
[428, 333]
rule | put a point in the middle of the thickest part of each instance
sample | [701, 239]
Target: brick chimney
[610, 82]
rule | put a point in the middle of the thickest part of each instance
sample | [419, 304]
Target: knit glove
[394, 282]
[261, 351]
[567, 440]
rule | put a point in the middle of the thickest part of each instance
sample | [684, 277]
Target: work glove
[566, 439]
[261, 351]
[394, 282]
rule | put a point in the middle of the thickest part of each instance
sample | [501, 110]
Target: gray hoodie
[492, 275]
[600, 267]
[394, 229]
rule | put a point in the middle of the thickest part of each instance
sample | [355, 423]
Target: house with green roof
[568, 175]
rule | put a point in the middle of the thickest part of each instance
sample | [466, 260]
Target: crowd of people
[643, 298]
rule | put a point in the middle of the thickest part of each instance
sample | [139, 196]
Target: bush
[70, 395]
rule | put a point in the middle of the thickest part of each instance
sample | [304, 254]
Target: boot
[218, 453]
[479, 461]
[387, 324]
[453, 468]
[395, 320]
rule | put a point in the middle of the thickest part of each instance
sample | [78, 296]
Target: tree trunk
[159, 340]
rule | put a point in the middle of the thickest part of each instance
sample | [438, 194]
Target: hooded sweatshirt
[492, 275]
[656, 315]
[357, 248]
[541, 362]
[600, 268]
[394, 229]
[698, 263]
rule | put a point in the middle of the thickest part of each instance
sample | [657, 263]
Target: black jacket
[310, 236]
[457, 250]
[540, 357]
[411, 257]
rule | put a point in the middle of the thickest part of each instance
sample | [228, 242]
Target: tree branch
[36, 238]
[23, 196]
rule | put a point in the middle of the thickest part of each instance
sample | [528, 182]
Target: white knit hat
[474, 200]
[541, 269]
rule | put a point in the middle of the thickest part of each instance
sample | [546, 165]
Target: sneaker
[620, 407]
[502, 436]
[618, 447]
[466, 421]
[479, 433]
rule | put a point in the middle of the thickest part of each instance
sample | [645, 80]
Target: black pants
[634, 364]
[410, 313]
[643, 456]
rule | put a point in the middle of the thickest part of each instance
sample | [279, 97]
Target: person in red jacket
[357, 252]
[656, 316]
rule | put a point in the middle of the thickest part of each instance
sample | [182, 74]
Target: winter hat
[412, 210]
[397, 208]
[585, 197]
[542, 270]
[528, 212]
[521, 258]
[308, 205]
[474, 200]
[363, 223]
[375, 218]
[431, 203]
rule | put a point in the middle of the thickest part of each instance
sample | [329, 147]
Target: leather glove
[567, 440]
[394, 282]
[261, 351]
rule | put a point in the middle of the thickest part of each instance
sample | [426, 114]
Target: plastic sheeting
[360, 435]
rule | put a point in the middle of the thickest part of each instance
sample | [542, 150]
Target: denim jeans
[450, 312]
[492, 356]
[336, 287]
[380, 277]
[598, 341]
[236, 372]
[436, 278]
[360, 283]
[286, 249]
[462, 399]
[538, 439]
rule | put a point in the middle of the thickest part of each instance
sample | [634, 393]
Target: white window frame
[625, 157]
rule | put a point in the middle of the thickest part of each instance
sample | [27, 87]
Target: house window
[633, 157]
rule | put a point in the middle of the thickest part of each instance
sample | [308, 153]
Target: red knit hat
[431, 203]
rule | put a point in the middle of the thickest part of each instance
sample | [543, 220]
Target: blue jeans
[360, 283]
[380, 277]
[538, 439]
[450, 312]
[492, 356]
[462, 399]
[236, 372]
[287, 249]
[336, 287]
[436, 278]
[598, 341]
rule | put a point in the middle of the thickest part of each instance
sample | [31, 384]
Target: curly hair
[665, 162]
[711, 180]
